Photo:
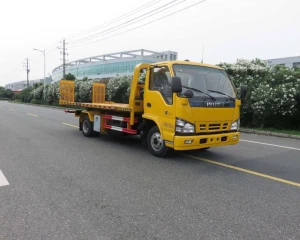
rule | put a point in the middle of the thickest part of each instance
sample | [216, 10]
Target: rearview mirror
[176, 85]
[188, 94]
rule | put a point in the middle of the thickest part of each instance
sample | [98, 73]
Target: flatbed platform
[105, 106]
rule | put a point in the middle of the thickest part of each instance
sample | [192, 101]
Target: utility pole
[63, 53]
[64, 58]
[26, 65]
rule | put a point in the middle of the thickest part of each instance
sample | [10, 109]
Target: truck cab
[188, 106]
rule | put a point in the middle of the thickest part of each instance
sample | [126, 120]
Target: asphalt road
[57, 184]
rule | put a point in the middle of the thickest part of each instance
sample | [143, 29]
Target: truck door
[158, 101]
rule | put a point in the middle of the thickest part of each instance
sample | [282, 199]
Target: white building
[112, 64]
[20, 85]
[291, 62]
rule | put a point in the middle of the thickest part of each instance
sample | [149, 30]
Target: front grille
[202, 127]
[212, 127]
[225, 125]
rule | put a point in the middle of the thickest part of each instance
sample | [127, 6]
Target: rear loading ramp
[96, 114]
[67, 95]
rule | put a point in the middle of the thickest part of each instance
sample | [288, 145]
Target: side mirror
[176, 85]
[243, 93]
[188, 94]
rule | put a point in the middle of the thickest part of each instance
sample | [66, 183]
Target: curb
[273, 134]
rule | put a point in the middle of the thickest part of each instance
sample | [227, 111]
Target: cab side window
[160, 80]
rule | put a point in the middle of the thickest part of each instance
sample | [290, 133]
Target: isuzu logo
[215, 104]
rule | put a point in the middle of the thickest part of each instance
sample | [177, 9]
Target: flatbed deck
[105, 106]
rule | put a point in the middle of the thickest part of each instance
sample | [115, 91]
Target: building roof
[111, 56]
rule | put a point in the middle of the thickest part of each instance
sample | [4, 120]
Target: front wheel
[155, 142]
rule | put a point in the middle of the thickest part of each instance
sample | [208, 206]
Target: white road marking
[273, 145]
[12, 110]
[44, 108]
[3, 180]
[32, 115]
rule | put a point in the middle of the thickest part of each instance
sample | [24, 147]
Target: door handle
[148, 104]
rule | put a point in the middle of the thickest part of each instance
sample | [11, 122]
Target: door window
[160, 80]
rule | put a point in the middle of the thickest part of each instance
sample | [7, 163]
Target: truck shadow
[134, 143]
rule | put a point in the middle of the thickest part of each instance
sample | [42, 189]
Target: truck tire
[155, 143]
[87, 127]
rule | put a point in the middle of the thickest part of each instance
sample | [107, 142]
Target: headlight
[235, 126]
[184, 127]
[179, 122]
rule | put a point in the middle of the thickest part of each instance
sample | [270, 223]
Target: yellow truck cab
[181, 105]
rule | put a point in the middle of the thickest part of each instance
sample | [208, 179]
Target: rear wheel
[87, 127]
[155, 142]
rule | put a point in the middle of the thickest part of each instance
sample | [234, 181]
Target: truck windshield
[208, 80]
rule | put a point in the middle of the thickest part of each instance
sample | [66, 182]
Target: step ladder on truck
[180, 105]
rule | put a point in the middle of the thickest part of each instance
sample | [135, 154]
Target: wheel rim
[156, 142]
[85, 126]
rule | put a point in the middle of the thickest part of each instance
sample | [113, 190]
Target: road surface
[57, 184]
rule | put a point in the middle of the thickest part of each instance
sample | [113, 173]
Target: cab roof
[188, 63]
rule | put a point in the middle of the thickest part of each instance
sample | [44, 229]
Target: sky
[228, 30]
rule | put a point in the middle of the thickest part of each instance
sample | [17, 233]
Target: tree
[6, 93]
[25, 95]
[69, 76]
[2, 92]
[9, 93]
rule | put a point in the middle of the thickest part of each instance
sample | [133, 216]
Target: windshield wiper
[197, 90]
[222, 94]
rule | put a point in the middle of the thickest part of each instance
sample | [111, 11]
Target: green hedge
[273, 98]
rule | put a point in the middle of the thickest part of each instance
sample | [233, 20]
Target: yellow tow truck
[181, 105]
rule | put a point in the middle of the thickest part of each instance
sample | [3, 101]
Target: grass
[292, 132]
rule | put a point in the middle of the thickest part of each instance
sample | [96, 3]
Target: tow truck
[180, 105]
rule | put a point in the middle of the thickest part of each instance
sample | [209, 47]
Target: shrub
[118, 89]
[273, 93]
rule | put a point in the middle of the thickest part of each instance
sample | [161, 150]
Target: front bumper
[204, 141]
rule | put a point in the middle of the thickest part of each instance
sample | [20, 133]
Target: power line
[125, 23]
[149, 4]
[12, 72]
[52, 47]
[141, 25]
[131, 21]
